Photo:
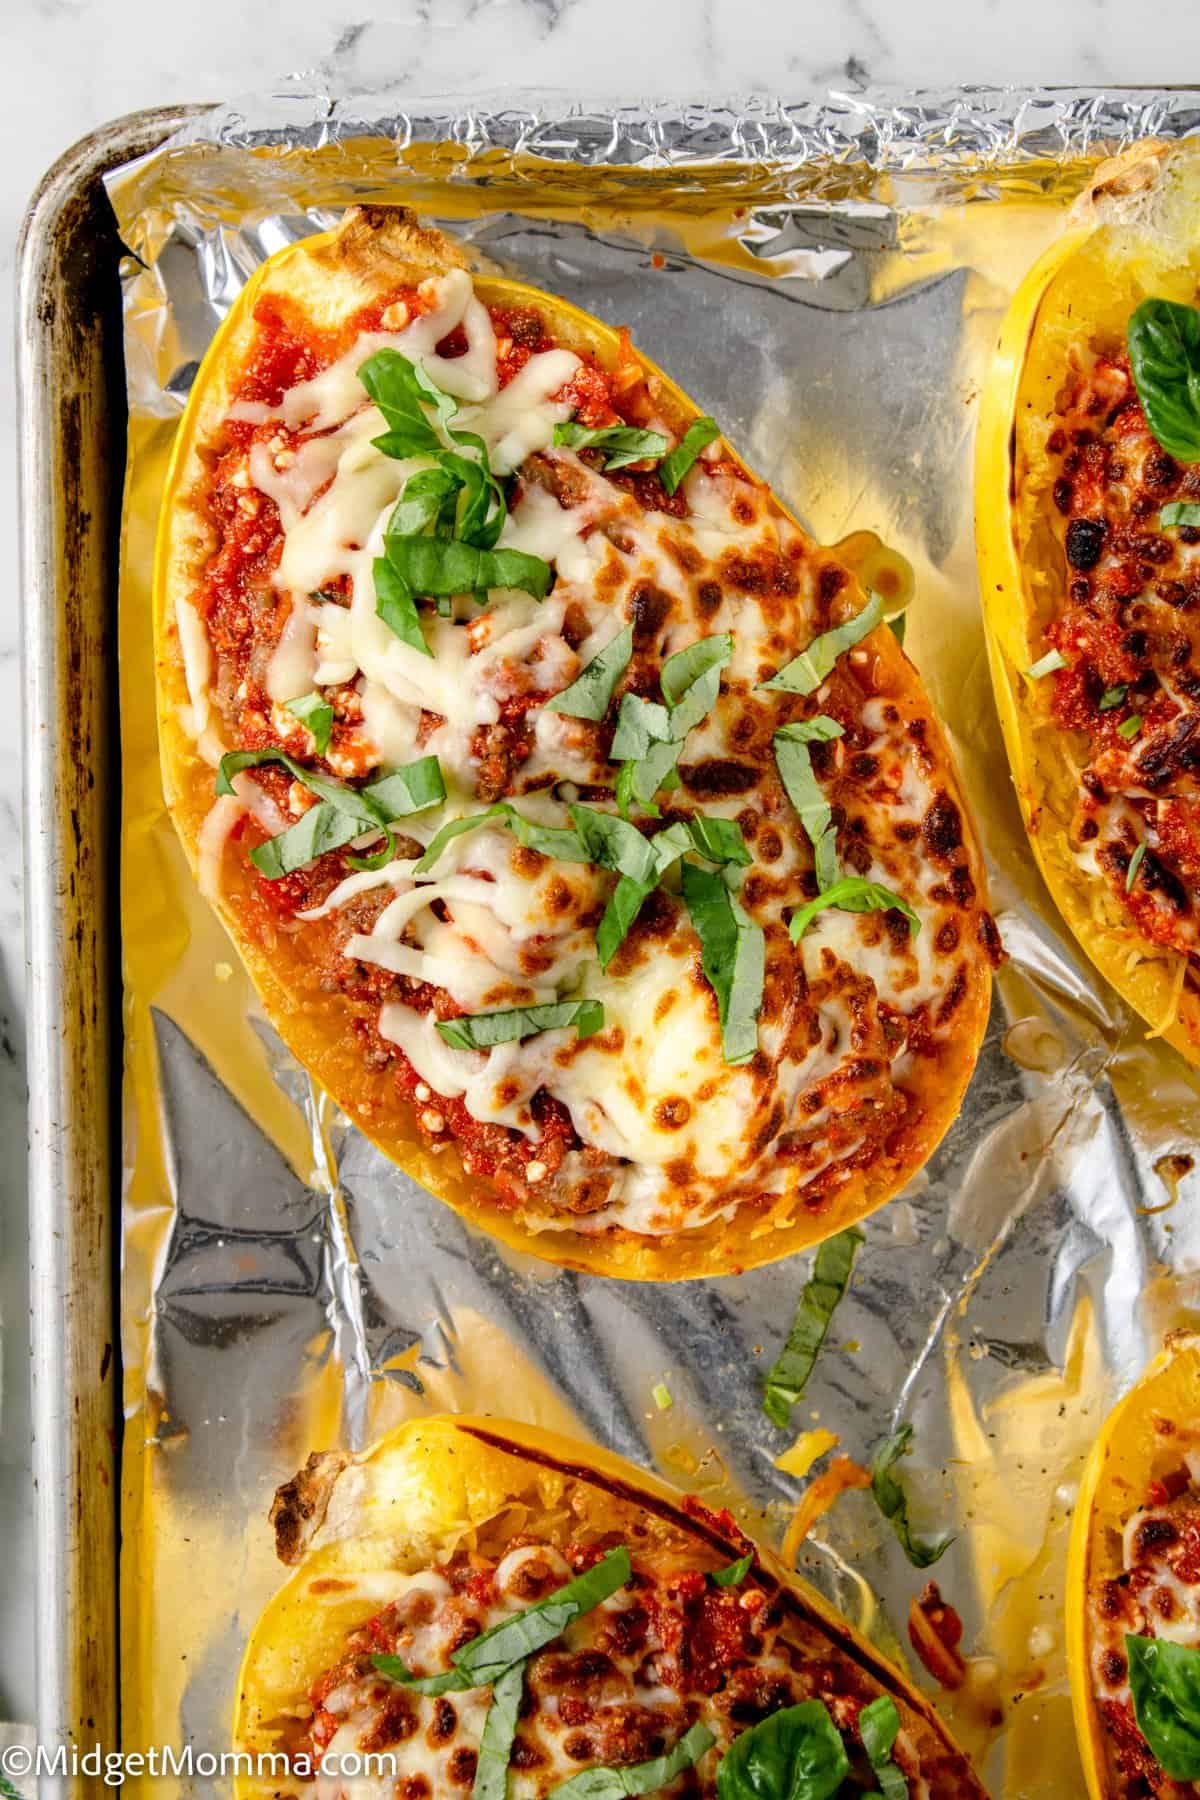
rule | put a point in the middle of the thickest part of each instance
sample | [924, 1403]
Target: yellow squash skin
[1134, 234]
[433, 1483]
[1131, 1448]
[315, 271]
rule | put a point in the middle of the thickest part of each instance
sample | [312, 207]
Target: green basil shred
[498, 1735]
[788, 1375]
[805, 673]
[732, 955]
[316, 715]
[697, 437]
[853, 893]
[486, 1658]
[592, 689]
[892, 1502]
[1179, 512]
[794, 763]
[638, 1778]
[344, 813]
[734, 1573]
[719, 841]
[440, 538]
[480, 1031]
[620, 444]
[650, 735]
[1113, 696]
[879, 1727]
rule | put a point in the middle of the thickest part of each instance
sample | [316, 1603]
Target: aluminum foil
[827, 279]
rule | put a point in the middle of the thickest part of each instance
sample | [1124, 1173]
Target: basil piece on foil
[789, 1373]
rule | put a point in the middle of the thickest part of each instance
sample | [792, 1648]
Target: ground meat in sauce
[621, 1686]
[1129, 629]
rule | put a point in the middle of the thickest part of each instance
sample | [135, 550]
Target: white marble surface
[70, 64]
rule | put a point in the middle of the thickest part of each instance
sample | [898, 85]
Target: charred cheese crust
[1133, 236]
[1133, 1562]
[383, 1543]
[868, 1037]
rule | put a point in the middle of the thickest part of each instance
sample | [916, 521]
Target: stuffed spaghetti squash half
[1133, 1585]
[500, 1612]
[585, 832]
[1088, 521]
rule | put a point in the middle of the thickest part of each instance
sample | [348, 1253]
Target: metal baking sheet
[71, 415]
[283, 1287]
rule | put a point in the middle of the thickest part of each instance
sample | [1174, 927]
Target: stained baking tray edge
[71, 425]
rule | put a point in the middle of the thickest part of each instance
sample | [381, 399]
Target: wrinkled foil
[828, 279]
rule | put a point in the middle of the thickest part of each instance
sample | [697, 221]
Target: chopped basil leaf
[592, 689]
[410, 788]
[638, 1778]
[621, 444]
[1129, 728]
[650, 734]
[1164, 1685]
[316, 715]
[789, 1373]
[1179, 512]
[717, 840]
[733, 956]
[551, 840]
[674, 466]
[612, 843]
[1113, 696]
[1164, 355]
[733, 1573]
[1135, 863]
[805, 673]
[660, 1393]
[499, 1732]
[432, 566]
[489, 1655]
[853, 893]
[428, 499]
[647, 775]
[625, 794]
[1046, 665]
[461, 497]
[403, 391]
[356, 805]
[450, 1681]
[480, 1031]
[323, 827]
[395, 605]
[879, 1727]
[795, 1753]
[691, 681]
[792, 759]
[892, 1502]
[640, 725]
